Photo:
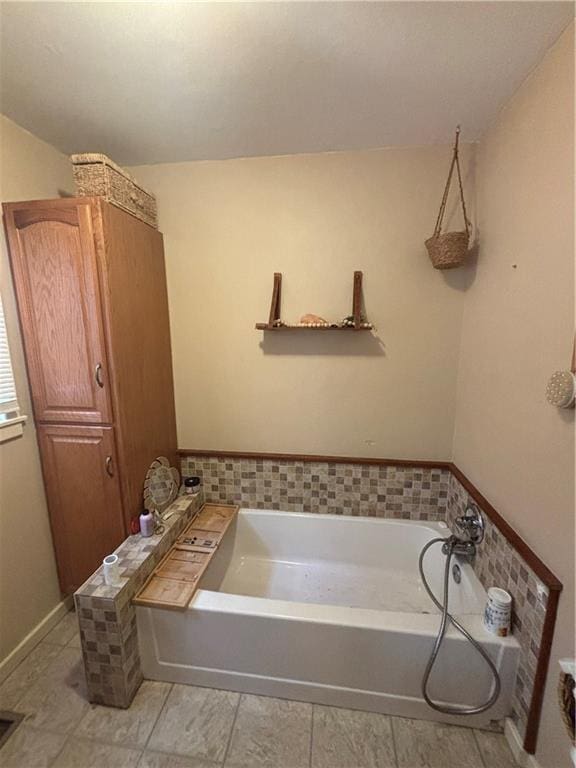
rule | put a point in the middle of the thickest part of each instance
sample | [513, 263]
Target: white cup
[111, 570]
[498, 612]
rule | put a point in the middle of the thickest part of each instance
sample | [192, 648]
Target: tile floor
[178, 726]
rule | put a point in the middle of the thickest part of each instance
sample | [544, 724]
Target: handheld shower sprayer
[469, 533]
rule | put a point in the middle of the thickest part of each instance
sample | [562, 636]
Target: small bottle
[192, 485]
[146, 523]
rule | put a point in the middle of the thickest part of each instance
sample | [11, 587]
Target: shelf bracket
[276, 293]
[357, 300]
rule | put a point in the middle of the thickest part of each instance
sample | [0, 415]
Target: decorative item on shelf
[161, 486]
[449, 250]
[349, 322]
[354, 322]
[192, 485]
[561, 389]
[97, 175]
[313, 321]
[147, 523]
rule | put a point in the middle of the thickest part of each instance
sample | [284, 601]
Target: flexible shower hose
[446, 709]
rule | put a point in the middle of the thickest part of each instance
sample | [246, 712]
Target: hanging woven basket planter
[449, 249]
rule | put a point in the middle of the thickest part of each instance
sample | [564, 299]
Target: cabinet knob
[98, 375]
[109, 467]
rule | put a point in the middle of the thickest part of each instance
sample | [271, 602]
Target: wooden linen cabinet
[91, 290]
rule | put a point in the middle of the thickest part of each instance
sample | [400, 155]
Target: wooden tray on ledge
[175, 580]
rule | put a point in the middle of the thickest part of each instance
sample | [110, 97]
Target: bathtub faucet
[469, 532]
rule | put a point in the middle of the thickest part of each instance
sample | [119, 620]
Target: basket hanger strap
[573, 364]
[438, 226]
[441, 212]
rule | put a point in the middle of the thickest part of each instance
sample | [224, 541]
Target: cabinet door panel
[83, 491]
[56, 278]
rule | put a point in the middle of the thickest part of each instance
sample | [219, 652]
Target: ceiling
[161, 82]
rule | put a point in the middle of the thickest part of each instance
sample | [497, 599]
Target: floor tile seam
[311, 736]
[158, 716]
[207, 760]
[229, 742]
[394, 747]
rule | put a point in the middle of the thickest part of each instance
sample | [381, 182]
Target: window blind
[8, 402]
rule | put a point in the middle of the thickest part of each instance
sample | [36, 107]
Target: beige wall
[316, 218]
[518, 328]
[30, 169]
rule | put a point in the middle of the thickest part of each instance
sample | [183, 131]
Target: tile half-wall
[107, 617]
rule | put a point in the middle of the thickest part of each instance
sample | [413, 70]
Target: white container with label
[498, 612]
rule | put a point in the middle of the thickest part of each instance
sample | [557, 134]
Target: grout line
[392, 719]
[232, 729]
[478, 748]
[160, 711]
[180, 755]
[311, 735]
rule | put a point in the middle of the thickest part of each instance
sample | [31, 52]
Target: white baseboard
[32, 639]
[516, 745]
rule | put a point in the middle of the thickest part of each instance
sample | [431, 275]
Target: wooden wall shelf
[275, 324]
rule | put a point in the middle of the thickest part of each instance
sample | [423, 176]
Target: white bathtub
[328, 609]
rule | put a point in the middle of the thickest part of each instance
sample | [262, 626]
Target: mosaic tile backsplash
[498, 564]
[407, 493]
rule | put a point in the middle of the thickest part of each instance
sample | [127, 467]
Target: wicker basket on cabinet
[96, 174]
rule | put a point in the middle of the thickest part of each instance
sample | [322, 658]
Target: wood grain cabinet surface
[83, 491]
[91, 290]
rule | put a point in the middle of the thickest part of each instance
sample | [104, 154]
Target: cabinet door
[55, 274]
[79, 465]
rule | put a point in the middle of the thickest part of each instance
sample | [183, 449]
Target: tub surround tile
[131, 726]
[26, 674]
[345, 738]
[195, 722]
[81, 753]
[409, 493]
[498, 564]
[494, 750]
[58, 699]
[270, 733]
[422, 744]
[30, 747]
